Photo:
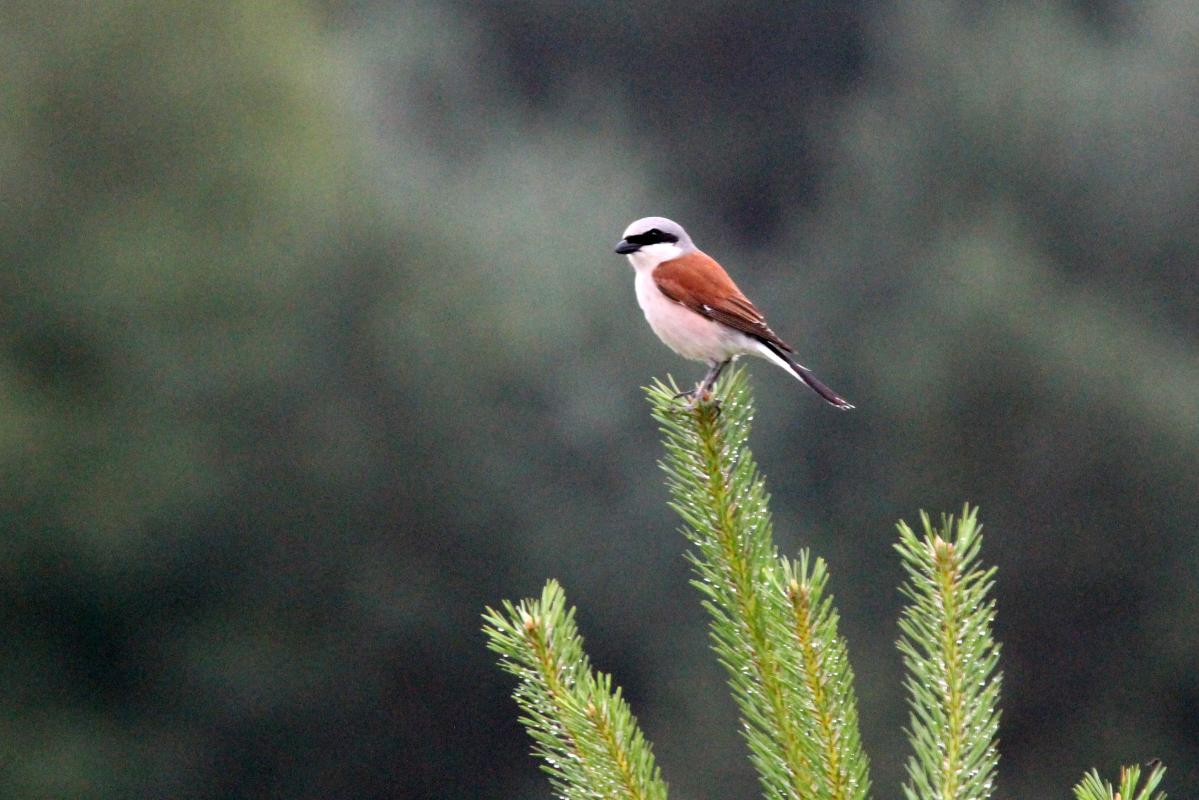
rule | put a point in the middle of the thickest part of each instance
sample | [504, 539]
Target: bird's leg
[704, 387]
[710, 379]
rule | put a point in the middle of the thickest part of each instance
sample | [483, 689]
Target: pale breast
[684, 331]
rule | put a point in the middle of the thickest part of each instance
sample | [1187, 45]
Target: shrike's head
[651, 240]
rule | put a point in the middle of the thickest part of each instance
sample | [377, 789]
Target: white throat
[651, 255]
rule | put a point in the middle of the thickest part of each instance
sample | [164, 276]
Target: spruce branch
[774, 628]
[950, 657]
[826, 678]
[1091, 787]
[787, 667]
[581, 726]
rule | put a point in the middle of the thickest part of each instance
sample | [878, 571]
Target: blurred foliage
[313, 345]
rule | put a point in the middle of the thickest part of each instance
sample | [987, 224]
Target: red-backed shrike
[697, 310]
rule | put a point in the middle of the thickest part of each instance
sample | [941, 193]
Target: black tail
[814, 383]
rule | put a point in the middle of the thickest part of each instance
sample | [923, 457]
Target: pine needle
[772, 626]
[582, 728]
[951, 658]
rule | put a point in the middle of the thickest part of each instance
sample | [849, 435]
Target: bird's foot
[700, 395]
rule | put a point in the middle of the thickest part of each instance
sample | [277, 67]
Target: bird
[697, 311]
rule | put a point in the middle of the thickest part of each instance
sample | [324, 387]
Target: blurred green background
[312, 343]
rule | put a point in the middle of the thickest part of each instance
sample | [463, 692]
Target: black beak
[624, 247]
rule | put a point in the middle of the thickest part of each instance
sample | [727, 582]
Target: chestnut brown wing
[698, 282]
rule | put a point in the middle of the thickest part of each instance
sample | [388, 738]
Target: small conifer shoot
[774, 628]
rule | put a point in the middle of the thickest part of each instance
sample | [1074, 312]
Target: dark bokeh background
[312, 343]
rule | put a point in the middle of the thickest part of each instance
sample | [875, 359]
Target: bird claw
[698, 396]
